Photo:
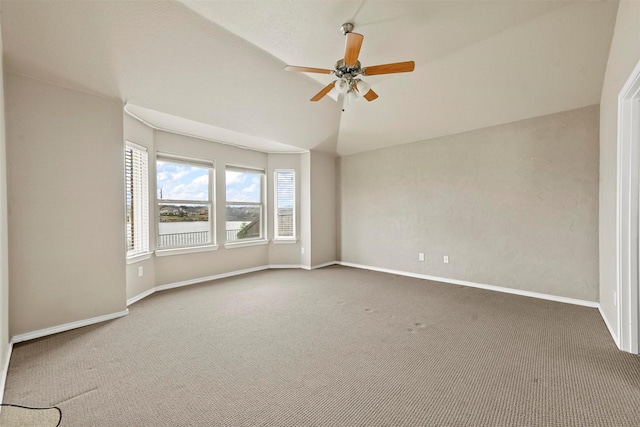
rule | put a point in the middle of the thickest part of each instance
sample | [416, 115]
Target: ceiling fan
[348, 69]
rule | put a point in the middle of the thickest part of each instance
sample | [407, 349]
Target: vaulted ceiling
[214, 69]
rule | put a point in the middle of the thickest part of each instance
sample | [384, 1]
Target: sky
[185, 182]
[243, 187]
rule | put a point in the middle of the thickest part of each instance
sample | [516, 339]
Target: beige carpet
[20, 416]
[333, 347]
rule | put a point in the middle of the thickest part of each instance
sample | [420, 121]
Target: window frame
[277, 238]
[210, 203]
[262, 239]
[139, 211]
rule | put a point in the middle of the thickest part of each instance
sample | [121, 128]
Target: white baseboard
[209, 278]
[221, 276]
[5, 371]
[140, 296]
[606, 322]
[315, 267]
[538, 295]
[201, 280]
[277, 266]
[67, 326]
[326, 264]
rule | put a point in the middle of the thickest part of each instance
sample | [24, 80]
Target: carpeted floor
[19, 416]
[333, 347]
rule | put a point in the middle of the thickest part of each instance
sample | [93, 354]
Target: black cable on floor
[29, 407]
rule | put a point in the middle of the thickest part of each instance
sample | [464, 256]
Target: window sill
[138, 258]
[284, 241]
[181, 251]
[231, 245]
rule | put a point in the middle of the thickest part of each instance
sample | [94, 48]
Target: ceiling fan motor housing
[342, 70]
[346, 28]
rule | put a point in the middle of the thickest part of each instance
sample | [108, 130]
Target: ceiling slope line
[175, 132]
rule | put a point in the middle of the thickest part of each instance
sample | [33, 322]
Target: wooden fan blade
[307, 69]
[370, 96]
[323, 92]
[352, 48]
[396, 67]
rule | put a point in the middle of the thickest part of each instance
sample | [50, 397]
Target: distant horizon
[180, 181]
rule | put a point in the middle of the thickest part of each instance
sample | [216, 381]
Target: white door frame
[628, 212]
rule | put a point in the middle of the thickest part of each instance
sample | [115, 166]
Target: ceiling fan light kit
[347, 69]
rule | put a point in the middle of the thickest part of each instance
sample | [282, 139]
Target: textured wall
[4, 249]
[623, 56]
[514, 205]
[323, 208]
[65, 168]
[305, 209]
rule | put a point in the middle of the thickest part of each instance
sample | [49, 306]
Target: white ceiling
[214, 69]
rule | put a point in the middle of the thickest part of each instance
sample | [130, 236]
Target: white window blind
[137, 199]
[285, 204]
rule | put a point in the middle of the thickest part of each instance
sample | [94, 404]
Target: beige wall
[317, 209]
[323, 208]
[513, 206]
[141, 134]
[4, 249]
[623, 57]
[65, 168]
[305, 209]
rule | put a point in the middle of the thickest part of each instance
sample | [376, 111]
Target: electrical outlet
[140, 271]
[302, 251]
[420, 256]
[446, 259]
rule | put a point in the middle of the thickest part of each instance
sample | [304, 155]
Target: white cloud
[234, 177]
[182, 182]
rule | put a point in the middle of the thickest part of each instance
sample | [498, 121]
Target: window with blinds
[285, 204]
[137, 199]
[244, 203]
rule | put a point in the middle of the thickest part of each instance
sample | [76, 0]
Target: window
[136, 174]
[185, 202]
[244, 210]
[285, 205]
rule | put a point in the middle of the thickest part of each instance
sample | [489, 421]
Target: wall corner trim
[141, 296]
[314, 267]
[5, 371]
[606, 322]
[326, 264]
[531, 294]
[67, 326]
